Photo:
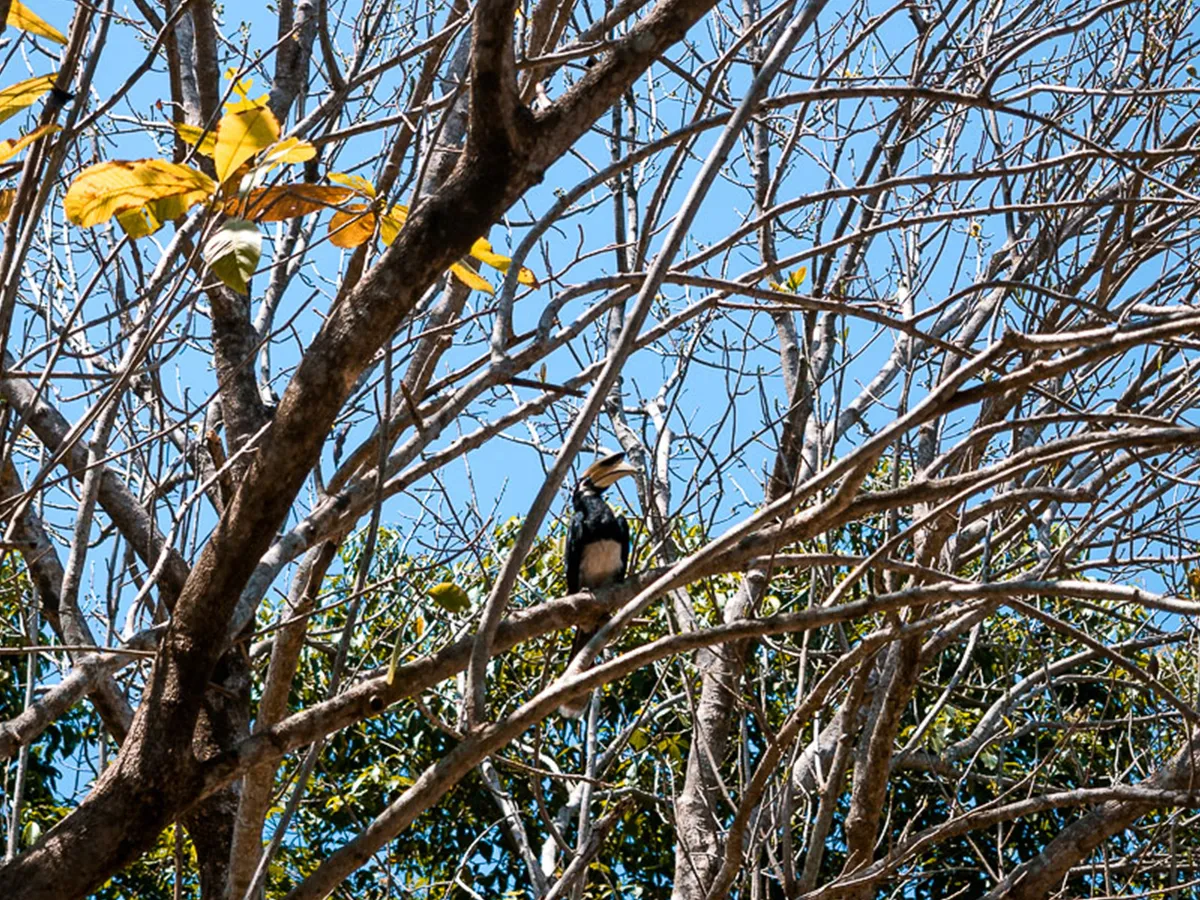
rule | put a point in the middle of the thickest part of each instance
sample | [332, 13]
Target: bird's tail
[573, 708]
[581, 640]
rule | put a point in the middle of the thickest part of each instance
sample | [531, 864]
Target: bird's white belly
[601, 562]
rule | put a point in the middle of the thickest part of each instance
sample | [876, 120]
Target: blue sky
[508, 473]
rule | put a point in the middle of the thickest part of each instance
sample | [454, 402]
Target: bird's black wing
[574, 552]
[623, 528]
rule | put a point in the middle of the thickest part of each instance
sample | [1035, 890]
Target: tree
[307, 322]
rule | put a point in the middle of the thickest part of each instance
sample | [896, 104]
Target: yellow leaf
[147, 219]
[22, 17]
[286, 201]
[470, 278]
[11, 147]
[7, 196]
[391, 223]
[482, 251]
[22, 94]
[794, 280]
[352, 226]
[168, 209]
[450, 597]
[355, 182]
[138, 222]
[102, 191]
[240, 135]
[290, 150]
[241, 90]
[195, 136]
[247, 103]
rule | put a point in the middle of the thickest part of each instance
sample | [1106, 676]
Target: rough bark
[115, 823]
[258, 786]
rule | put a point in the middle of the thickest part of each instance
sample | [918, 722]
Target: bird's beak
[618, 472]
[609, 470]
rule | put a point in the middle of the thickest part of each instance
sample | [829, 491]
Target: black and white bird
[597, 544]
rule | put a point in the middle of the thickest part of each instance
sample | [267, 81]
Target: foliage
[244, 148]
[890, 308]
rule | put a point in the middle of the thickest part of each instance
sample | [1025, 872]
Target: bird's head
[604, 472]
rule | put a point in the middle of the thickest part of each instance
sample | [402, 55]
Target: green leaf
[30, 833]
[232, 253]
[450, 597]
[392, 663]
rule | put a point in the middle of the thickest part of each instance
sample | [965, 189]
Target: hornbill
[597, 545]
